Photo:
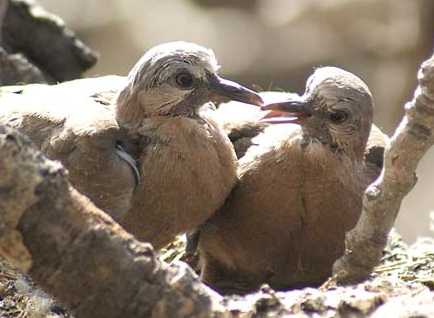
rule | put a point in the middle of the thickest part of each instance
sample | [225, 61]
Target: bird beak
[225, 90]
[292, 111]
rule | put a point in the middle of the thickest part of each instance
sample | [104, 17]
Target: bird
[67, 124]
[147, 152]
[301, 181]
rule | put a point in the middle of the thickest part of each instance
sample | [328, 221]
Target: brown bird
[300, 189]
[154, 160]
[187, 164]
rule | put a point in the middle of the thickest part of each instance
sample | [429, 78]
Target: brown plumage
[68, 125]
[154, 160]
[300, 190]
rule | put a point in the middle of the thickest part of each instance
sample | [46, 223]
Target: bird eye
[184, 80]
[338, 117]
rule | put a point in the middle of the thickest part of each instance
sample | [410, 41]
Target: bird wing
[69, 125]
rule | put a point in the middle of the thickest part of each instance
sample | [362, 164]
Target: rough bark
[44, 41]
[79, 254]
[381, 202]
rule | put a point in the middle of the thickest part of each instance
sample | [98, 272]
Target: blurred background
[275, 44]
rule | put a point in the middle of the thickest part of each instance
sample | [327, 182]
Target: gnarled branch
[79, 254]
[381, 202]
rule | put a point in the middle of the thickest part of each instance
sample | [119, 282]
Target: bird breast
[291, 209]
[188, 169]
[330, 184]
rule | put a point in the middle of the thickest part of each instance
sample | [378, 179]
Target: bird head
[336, 110]
[175, 79]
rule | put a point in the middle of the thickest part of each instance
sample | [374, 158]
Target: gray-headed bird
[300, 188]
[151, 157]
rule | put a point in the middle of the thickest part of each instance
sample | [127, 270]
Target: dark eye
[184, 80]
[338, 117]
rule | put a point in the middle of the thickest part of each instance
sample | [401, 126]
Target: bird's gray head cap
[336, 109]
[174, 79]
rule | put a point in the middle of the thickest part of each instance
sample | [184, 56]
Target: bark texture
[40, 47]
[382, 200]
[79, 254]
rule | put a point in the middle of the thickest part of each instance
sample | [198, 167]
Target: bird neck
[130, 114]
[352, 150]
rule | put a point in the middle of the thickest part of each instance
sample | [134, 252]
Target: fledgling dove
[154, 160]
[187, 164]
[300, 189]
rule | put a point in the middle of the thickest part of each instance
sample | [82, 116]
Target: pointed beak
[225, 90]
[292, 111]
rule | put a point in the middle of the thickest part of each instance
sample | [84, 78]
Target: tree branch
[382, 199]
[45, 41]
[79, 254]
